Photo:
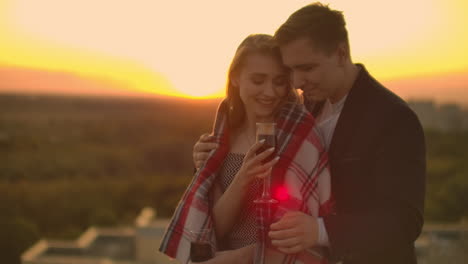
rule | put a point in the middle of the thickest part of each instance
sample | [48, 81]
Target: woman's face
[263, 84]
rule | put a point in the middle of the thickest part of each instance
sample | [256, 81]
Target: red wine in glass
[267, 132]
[270, 142]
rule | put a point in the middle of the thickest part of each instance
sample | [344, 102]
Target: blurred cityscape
[443, 117]
[136, 244]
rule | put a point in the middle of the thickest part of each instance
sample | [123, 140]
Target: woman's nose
[270, 89]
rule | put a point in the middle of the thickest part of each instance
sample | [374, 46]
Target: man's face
[319, 75]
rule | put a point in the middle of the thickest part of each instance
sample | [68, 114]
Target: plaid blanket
[302, 173]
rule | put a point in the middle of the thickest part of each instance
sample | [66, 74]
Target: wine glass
[266, 131]
[264, 203]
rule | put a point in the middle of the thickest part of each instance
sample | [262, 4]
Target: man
[375, 143]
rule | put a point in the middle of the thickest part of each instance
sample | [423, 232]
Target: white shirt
[326, 123]
[327, 119]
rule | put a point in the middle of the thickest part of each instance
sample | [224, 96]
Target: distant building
[126, 245]
[441, 243]
[450, 117]
[426, 111]
[445, 117]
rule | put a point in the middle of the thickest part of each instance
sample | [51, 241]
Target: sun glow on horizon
[184, 48]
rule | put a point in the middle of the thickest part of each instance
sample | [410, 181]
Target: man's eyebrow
[303, 65]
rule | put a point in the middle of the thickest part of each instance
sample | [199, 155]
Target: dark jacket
[377, 158]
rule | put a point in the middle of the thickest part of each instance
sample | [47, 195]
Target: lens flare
[281, 193]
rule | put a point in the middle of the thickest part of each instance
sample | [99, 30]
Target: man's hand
[294, 232]
[202, 148]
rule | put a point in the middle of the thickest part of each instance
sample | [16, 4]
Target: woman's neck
[249, 127]
[245, 135]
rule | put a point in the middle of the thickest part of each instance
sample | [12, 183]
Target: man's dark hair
[326, 28]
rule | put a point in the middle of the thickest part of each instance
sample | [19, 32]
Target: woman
[222, 192]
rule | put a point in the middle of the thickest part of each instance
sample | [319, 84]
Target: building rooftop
[103, 245]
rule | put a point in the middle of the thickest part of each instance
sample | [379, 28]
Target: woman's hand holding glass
[253, 166]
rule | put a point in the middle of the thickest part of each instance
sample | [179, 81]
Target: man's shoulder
[378, 107]
[384, 101]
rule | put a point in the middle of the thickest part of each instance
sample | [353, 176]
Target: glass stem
[266, 187]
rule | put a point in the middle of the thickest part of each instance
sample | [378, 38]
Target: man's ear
[342, 54]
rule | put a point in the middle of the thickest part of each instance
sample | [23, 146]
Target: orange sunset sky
[417, 48]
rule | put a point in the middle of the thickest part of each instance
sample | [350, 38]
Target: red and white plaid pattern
[302, 168]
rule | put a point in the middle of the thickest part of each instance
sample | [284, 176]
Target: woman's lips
[266, 102]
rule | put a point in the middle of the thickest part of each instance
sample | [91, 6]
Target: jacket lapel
[350, 116]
